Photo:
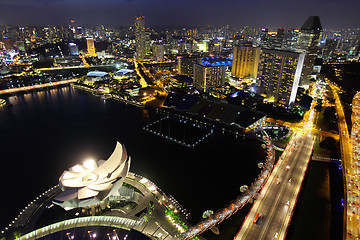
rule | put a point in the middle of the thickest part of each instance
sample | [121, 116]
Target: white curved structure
[92, 182]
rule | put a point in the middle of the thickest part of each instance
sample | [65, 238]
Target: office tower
[245, 61]
[73, 49]
[277, 39]
[186, 64]
[201, 46]
[158, 51]
[181, 48]
[90, 46]
[249, 34]
[72, 26]
[308, 43]
[264, 38]
[140, 37]
[330, 47]
[189, 46]
[279, 74]
[290, 40]
[209, 74]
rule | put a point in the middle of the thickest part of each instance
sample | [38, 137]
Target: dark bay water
[43, 133]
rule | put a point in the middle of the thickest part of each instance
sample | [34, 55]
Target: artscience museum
[92, 182]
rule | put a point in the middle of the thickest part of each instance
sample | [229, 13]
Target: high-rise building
[90, 46]
[201, 46]
[186, 64]
[279, 74]
[308, 42]
[140, 37]
[210, 73]
[290, 40]
[264, 38]
[207, 76]
[73, 49]
[277, 40]
[158, 51]
[245, 61]
[330, 47]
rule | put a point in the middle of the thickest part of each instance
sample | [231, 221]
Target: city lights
[186, 97]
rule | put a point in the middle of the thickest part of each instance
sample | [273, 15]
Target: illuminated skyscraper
[210, 73]
[290, 40]
[72, 26]
[245, 61]
[73, 49]
[264, 36]
[279, 74]
[330, 47]
[158, 51]
[308, 43]
[207, 76]
[90, 46]
[140, 37]
[186, 64]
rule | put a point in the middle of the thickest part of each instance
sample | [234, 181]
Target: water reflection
[45, 132]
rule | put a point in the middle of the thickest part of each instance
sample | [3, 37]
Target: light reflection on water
[43, 133]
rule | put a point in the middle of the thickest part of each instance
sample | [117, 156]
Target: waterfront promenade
[162, 216]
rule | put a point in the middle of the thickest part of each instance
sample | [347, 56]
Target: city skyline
[193, 89]
[185, 13]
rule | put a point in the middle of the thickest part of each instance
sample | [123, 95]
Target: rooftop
[223, 112]
[96, 74]
[216, 61]
[312, 23]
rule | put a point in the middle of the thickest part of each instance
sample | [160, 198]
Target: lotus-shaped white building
[92, 182]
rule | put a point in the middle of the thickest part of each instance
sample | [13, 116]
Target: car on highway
[277, 180]
[256, 218]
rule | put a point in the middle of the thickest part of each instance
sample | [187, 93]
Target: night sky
[334, 14]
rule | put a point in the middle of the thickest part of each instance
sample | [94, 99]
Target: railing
[236, 204]
[117, 222]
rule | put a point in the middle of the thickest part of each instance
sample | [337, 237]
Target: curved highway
[276, 201]
[270, 215]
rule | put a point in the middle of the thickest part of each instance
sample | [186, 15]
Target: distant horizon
[334, 14]
[168, 26]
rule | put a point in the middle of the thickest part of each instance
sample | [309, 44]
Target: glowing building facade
[245, 62]
[90, 46]
[93, 182]
[186, 64]
[140, 37]
[158, 51]
[279, 74]
[210, 73]
[73, 49]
